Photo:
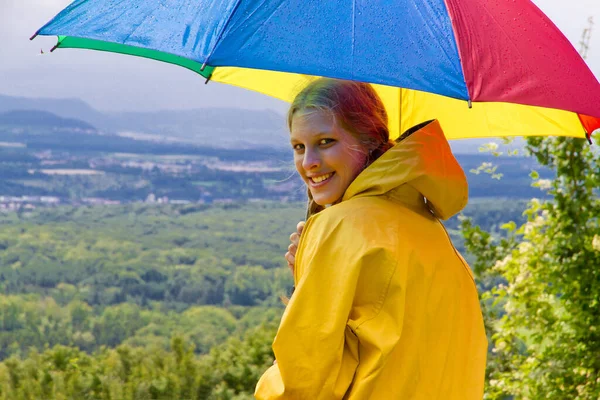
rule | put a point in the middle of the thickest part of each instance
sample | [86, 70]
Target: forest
[83, 285]
[116, 289]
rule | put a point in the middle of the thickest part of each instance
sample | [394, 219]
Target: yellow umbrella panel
[407, 108]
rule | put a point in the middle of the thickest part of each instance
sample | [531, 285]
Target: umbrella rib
[451, 15]
[512, 41]
[66, 10]
[212, 50]
[137, 27]
[247, 39]
[353, 36]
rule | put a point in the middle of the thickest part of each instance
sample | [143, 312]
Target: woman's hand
[290, 256]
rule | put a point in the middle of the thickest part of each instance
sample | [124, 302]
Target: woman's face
[327, 157]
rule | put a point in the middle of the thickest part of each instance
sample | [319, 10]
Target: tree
[542, 283]
[249, 285]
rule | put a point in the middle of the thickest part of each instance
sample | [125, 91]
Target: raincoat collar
[420, 171]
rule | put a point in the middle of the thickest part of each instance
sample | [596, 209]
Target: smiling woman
[326, 156]
[337, 128]
[376, 314]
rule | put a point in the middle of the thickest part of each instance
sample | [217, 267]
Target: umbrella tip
[34, 36]
[54, 48]
[469, 103]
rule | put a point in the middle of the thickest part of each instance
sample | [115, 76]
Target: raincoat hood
[419, 171]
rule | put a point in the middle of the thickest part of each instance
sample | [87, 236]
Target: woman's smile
[320, 180]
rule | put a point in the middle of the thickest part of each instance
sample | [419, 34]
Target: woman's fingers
[295, 238]
[300, 227]
[290, 256]
[291, 260]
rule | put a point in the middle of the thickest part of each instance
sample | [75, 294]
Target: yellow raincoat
[384, 306]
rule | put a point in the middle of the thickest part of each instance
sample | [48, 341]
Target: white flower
[529, 226]
[509, 307]
[544, 184]
[545, 214]
[524, 247]
[596, 243]
[500, 264]
[538, 221]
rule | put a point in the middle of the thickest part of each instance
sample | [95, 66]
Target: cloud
[22, 15]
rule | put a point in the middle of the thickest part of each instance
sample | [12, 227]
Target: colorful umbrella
[484, 68]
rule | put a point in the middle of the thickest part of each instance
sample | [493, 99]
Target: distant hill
[66, 108]
[213, 118]
[41, 119]
[215, 127]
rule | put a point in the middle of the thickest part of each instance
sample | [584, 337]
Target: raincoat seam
[348, 390]
[382, 297]
[301, 246]
[304, 238]
[462, 261]
[378, 305]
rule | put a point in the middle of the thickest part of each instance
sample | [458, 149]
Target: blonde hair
[355, 106]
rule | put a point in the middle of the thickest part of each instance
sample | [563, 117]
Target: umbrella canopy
[484, 68]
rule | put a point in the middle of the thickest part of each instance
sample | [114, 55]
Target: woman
[384, 306]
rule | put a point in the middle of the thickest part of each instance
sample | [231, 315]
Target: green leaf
[534, 175]
[509, 226]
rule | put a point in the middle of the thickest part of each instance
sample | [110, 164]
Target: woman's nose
[311, 160]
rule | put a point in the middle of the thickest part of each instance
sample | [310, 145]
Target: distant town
[54, 168]
[50, 161]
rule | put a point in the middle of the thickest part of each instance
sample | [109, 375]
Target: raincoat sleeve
[315, 347]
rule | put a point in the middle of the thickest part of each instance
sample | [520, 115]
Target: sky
[111, 82]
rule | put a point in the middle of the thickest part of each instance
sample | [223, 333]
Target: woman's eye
[324, 142]
[298, 147]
